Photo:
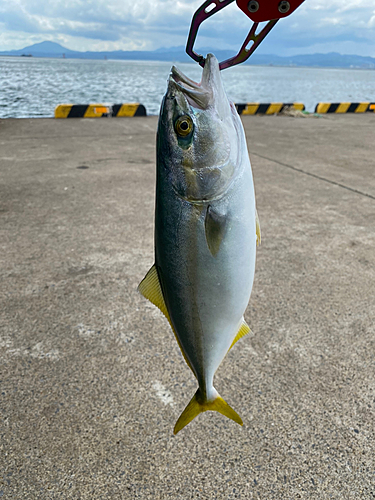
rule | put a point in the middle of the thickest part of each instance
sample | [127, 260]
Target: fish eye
[183, 126]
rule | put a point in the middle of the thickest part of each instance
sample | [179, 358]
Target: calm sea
[32, 87]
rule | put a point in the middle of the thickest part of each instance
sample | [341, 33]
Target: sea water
[33, 87]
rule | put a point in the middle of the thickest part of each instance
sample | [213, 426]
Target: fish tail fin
[198, 405]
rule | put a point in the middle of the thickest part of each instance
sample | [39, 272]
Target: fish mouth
[182, 80]
[200, 95]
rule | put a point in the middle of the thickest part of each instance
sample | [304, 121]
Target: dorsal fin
[244, 330]
[150, 288]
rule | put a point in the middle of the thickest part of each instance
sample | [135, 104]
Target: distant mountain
[331, 60]
[163, 50]
[42, 49]
[46, 48]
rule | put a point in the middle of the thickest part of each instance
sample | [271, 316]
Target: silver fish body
[205, 228]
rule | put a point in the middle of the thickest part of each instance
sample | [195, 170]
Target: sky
[344, 26]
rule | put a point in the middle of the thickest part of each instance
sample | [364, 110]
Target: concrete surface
[91, 378]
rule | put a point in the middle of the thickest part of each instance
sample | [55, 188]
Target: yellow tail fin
[197, 405]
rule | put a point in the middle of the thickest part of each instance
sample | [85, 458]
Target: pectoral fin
[215, 226]
[150, 288]
[244, 330]
[257, 225]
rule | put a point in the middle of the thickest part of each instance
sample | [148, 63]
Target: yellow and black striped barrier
[344, 107]
[254, 108]
[99, 110]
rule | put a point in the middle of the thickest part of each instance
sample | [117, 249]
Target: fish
[206, 229]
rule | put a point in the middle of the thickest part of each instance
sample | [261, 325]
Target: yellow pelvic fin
[150, 288]
[197, 405]
[244, 330]
[257, 225]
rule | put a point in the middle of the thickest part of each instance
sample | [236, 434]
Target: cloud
[150, 24]
[315, 26]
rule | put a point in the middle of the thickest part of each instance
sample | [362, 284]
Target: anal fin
[257, 226]
[244, 330]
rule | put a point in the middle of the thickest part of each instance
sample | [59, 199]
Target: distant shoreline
[53, 50]
[173, 61]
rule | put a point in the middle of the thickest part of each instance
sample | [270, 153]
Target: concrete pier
[91, 377]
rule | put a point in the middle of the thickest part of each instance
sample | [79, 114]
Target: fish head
[200, 135]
